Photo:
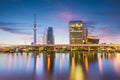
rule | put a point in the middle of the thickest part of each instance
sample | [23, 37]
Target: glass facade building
[50, 36]
[76, 32]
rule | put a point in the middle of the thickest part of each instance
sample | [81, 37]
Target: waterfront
[60, 66]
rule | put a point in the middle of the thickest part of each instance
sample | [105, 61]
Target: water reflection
[116, 64]
[86, 64]
[60, 66]
[100, 65]
[76, 72]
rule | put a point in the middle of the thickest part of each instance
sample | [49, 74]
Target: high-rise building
[76, 32]
[50, 36]
[85, 34]
[45, 36]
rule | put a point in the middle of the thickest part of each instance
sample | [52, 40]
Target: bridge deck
[72, 45]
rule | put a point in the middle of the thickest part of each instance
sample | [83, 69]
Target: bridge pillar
[88, 48]
[27, 50]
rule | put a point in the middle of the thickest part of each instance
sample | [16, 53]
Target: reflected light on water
[4, 57]
[60, 64]
[48, 62]
[21, 61]
[100, 64]
[86, 64]
[77, 73]
[73, 63]
[10, 61]
[116, 64]
[15, 61]
[28, 62]
[37, 63]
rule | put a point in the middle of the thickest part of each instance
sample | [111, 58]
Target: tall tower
[34, 29]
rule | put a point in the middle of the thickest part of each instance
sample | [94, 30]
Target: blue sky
[16, 19]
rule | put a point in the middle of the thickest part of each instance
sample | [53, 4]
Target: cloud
[15, 31]
[104, 30]
[3, 23]
[107, 35]
[66, 15]
[108, 39]
[12, 28]
[113, 31]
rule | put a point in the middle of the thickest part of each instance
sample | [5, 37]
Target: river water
[60, 66]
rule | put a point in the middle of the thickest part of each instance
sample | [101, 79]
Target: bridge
[62, 47]
[72, 45]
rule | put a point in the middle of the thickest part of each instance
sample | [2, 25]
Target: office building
[76, 32]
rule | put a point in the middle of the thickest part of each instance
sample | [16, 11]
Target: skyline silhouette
[101, 17]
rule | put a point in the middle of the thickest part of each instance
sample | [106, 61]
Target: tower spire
[34, 20]
[34, 29]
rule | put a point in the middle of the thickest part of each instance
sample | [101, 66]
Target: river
[60, 66]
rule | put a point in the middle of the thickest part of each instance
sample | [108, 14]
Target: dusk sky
[101, 17]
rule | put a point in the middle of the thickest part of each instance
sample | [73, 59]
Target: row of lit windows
[76, 25]
[76, 29]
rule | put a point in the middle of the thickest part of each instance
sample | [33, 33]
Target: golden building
[92, 40]
[76, 32]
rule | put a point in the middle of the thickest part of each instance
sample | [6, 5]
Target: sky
[101, 17]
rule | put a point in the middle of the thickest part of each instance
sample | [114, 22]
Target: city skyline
[16, 19]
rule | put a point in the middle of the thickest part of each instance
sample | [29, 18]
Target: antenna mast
[34, 29]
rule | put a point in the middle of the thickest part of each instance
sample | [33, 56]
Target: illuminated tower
[34, 29]
[76, 32]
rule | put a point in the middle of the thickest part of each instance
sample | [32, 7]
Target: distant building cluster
[79, 34]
